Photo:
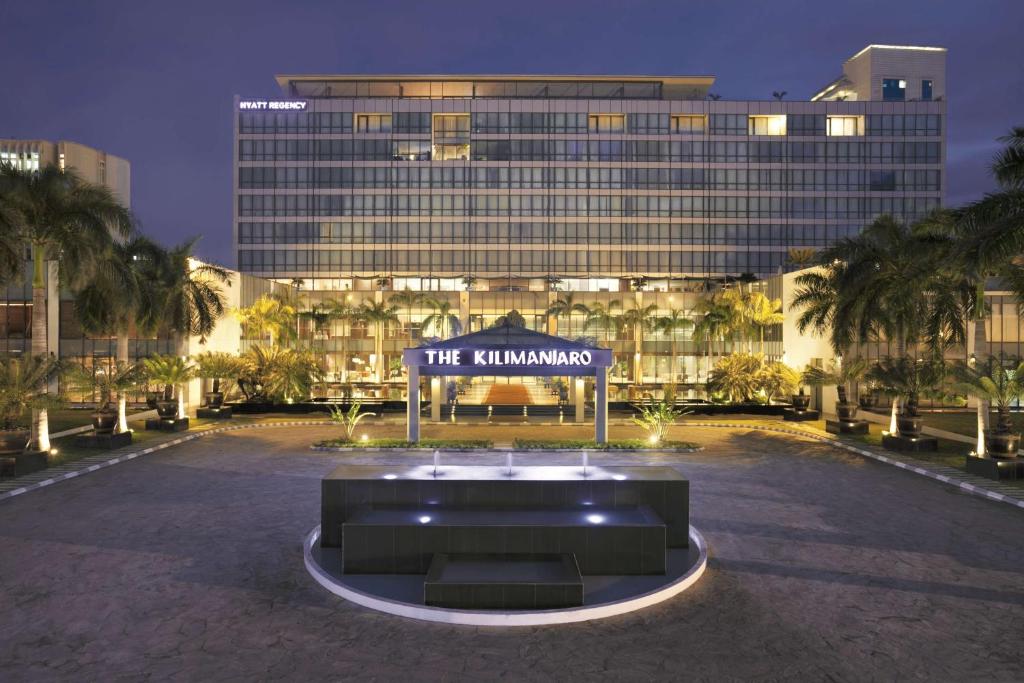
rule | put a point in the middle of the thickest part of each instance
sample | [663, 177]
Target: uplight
[364, 437]
[595, 519]
[653, 440]
[424, 519]
[391, 476]
[619, 477]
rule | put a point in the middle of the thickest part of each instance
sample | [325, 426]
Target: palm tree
[641, 319]
[191, 301]
[717, 321]
[763, 312]
[567, 305]
[342, 312]
[443, 320]
[172, 372]
[907, 378]
[269, 315]
[23, 384]
[111, 382]
[991, 382]
[122, 275]
[604, 317]
[671, 323]
[409, 300]
[513, 319]
[61, 218]
[380, 315]
[840, 375]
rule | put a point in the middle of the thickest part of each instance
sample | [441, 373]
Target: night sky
[153, 82]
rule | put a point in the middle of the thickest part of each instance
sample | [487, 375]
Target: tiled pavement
[186, 565]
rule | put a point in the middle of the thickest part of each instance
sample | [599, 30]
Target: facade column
[435, 399]
[579, 394]
[412, 408]
[601, 406]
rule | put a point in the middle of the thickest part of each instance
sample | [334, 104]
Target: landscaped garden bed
[429, 444]
[611, 445]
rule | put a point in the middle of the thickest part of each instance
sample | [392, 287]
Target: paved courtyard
[186, 565]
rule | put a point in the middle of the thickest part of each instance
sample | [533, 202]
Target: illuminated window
[606, 123]
[373, 123]
[689, 124]
[841, 126]
[451, 137]
[894, 89]
[774, 124]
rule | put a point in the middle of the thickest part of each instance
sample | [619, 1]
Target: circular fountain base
[605, 596]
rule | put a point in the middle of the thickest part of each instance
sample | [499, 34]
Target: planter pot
[909, 425]
[801, 401]
[151, 399]
[104, 421]
[167, 410]
[13, 442]
[847, 412]
[867, 401]
[1002, 444]
[214, 399]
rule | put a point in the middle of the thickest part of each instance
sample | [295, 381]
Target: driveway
[186, 565]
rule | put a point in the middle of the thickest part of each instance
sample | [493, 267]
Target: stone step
[503, 581]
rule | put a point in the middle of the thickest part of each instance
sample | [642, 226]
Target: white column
[579, 394]
[435, 399]
[412, 419]
[601, 406]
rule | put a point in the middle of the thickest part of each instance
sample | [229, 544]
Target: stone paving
[186, 565]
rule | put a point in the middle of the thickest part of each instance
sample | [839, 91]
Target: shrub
[591, 445]
[746, 377]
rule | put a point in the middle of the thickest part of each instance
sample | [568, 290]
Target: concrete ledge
[503, 618]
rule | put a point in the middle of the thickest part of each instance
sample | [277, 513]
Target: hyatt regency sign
[272, 105]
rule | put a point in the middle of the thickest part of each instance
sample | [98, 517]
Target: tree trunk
[761, 329]
[122, 399]
[40, 434]
[979, 447]
[180, 344]
[893, 426]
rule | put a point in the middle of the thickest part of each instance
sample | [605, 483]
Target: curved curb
[503, 449]
[496, 618]
[979, 491]
[146, 451]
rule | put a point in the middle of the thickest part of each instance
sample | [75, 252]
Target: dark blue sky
[153, 82]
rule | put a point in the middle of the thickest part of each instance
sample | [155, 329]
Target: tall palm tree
[269, 315]
[408, 300]
[121, 276]
[604, 317]
[60, 218]
[716, 322]
[672, 322]
[380, 315]
[442, 320]
[762, 312]
[641, 319]
[567, 305]
[191, 301]
[345, 314]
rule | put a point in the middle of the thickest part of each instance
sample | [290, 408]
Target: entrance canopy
[508, 351]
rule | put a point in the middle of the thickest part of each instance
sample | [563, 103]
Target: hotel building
[494, 194]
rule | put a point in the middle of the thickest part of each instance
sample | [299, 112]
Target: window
[411, 150]
[451, 137]
[689, 124]
[926, 89]
[881, 181]
[894, 89]
[607, 123]
[373, 123]
[841, 126]
[774, 124]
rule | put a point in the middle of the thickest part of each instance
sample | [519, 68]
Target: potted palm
[1001, 386]
[170, 372]
[907, 379]
[23, 384]
[107, 382]
[221, 369]
[839, 375]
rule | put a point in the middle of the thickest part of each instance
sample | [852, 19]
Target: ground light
[653, 440]
[595, 519]
[364, 437]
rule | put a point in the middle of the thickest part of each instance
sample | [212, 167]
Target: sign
[515, 360]
[272, 105]
[505, 357]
